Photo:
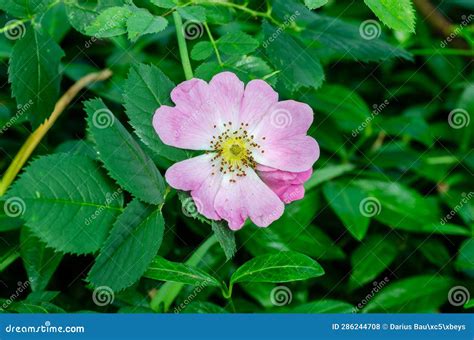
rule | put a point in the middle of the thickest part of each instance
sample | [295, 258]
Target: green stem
[170, 290]
[183, 49]
[213, 43]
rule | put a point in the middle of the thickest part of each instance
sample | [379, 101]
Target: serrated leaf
[313, 4]
[24, 8]
[344, 200]
[146, 89]
[193, 13]
[202, 50]
[133, 243]
[305, 70]
[237, 43]
[165, 3]
[35, 76]
[225, 237]
[371, 258]
[68, 202]
[40, 262]
[80, 16]
[281, 267]
[110, 23]
[421, 294]
[142, 22]
[125, 160]
[164, 270]
[396, 14]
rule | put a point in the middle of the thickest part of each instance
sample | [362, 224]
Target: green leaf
[435, 251]
[465, 258]
[237, 43]
[193, 13]
[125, 160]
[164, 270]
[281, 267]
[202, 50]
[202, 307]
[7, 222]
[321, 175]
[418, 294]
[35, 76]
[396, 14]
[226, 238]
[24, 8]
[164, 3]
[313, 4]
[469, 304]
[305, 70]
[68, 202]
[371, 258]
[142, 22]
[80, 16]
[133, 243]
[146, 89]
[110, 23]
[345, 200]
[324, 306]
[40, 262]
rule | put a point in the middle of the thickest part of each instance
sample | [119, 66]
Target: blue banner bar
[237, 326]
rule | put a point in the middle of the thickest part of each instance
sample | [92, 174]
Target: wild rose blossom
[257, 154]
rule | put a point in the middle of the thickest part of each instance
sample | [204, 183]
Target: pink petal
[281, 135]
[195, 175]
[258, 99]
[287, 185]
[189, 125]
[248, 197]
[226, 92]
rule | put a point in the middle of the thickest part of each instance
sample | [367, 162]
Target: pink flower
[257, 152]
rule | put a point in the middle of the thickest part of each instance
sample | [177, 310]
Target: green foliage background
[387, 221]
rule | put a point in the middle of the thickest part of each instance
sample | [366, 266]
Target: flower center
[234, 150]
